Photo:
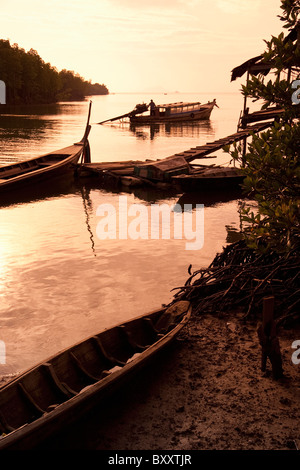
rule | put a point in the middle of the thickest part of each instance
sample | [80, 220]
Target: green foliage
[30, 80]
[272, 175]
[271, 162]
[290, 12]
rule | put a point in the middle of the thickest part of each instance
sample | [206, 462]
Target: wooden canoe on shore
[44, 399]
[44, 167]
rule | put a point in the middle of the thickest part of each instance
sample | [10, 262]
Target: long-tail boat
[43, 400]
[167, 113]
[176, 112]
[44, 167]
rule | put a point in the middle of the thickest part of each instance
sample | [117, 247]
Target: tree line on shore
[29, 80]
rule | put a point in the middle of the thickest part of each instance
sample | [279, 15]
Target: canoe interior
[16, 169]
[40, 390]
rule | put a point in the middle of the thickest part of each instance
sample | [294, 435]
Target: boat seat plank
[67, 372]
[116, 345]
[4, 426]
[63, 388]
[43, 389]
[83, 369]
[93, 359]
[45, 164]
[15, 409]
[129, 337]
[108, 356]
[93, 378]
[36, 408]
[148, 321]
[140, 334]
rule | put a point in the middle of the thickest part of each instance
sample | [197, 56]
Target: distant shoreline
[27, 79]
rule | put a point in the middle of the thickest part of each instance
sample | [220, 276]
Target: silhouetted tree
[271, 164]
[30, 80]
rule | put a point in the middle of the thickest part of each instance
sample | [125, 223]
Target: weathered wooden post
[268, 339]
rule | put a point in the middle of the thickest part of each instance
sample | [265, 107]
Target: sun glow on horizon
[130, 45]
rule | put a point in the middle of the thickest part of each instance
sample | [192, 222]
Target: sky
[144, 45]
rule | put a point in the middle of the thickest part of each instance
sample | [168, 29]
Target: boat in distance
[27, 172]
[167, 113]
[43, 400]
[176, 112]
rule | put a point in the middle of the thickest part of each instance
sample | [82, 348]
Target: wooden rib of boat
[45, 166]
[176, 112]
[42, 400]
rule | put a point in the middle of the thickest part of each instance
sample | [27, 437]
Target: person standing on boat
[152, 108]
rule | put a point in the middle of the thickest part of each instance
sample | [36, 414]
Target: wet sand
[206, 392]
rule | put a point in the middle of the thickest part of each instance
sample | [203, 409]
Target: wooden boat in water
[176, 112]
[42, 400]
[214, 178]
[167, 113]
[27, 172]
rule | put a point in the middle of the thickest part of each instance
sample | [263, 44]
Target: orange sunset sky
[145, 45]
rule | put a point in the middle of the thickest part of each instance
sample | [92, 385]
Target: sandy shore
[204, 393]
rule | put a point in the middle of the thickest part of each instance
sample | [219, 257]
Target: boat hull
[38, 171]
[59, 162]
[202, 114]
[73, 371]
[229, 178]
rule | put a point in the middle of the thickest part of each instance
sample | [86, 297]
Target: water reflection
[184, 129]
[203, 128]
[233, 234]
[88, 210]
[17, 130]
[147, 194]
[67, 184]
[26, 110]
[61, 185]
[58, 281]
[42, 110]
[26, 128]
[209, 198]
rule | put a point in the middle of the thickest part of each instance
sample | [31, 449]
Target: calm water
[58, 281]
